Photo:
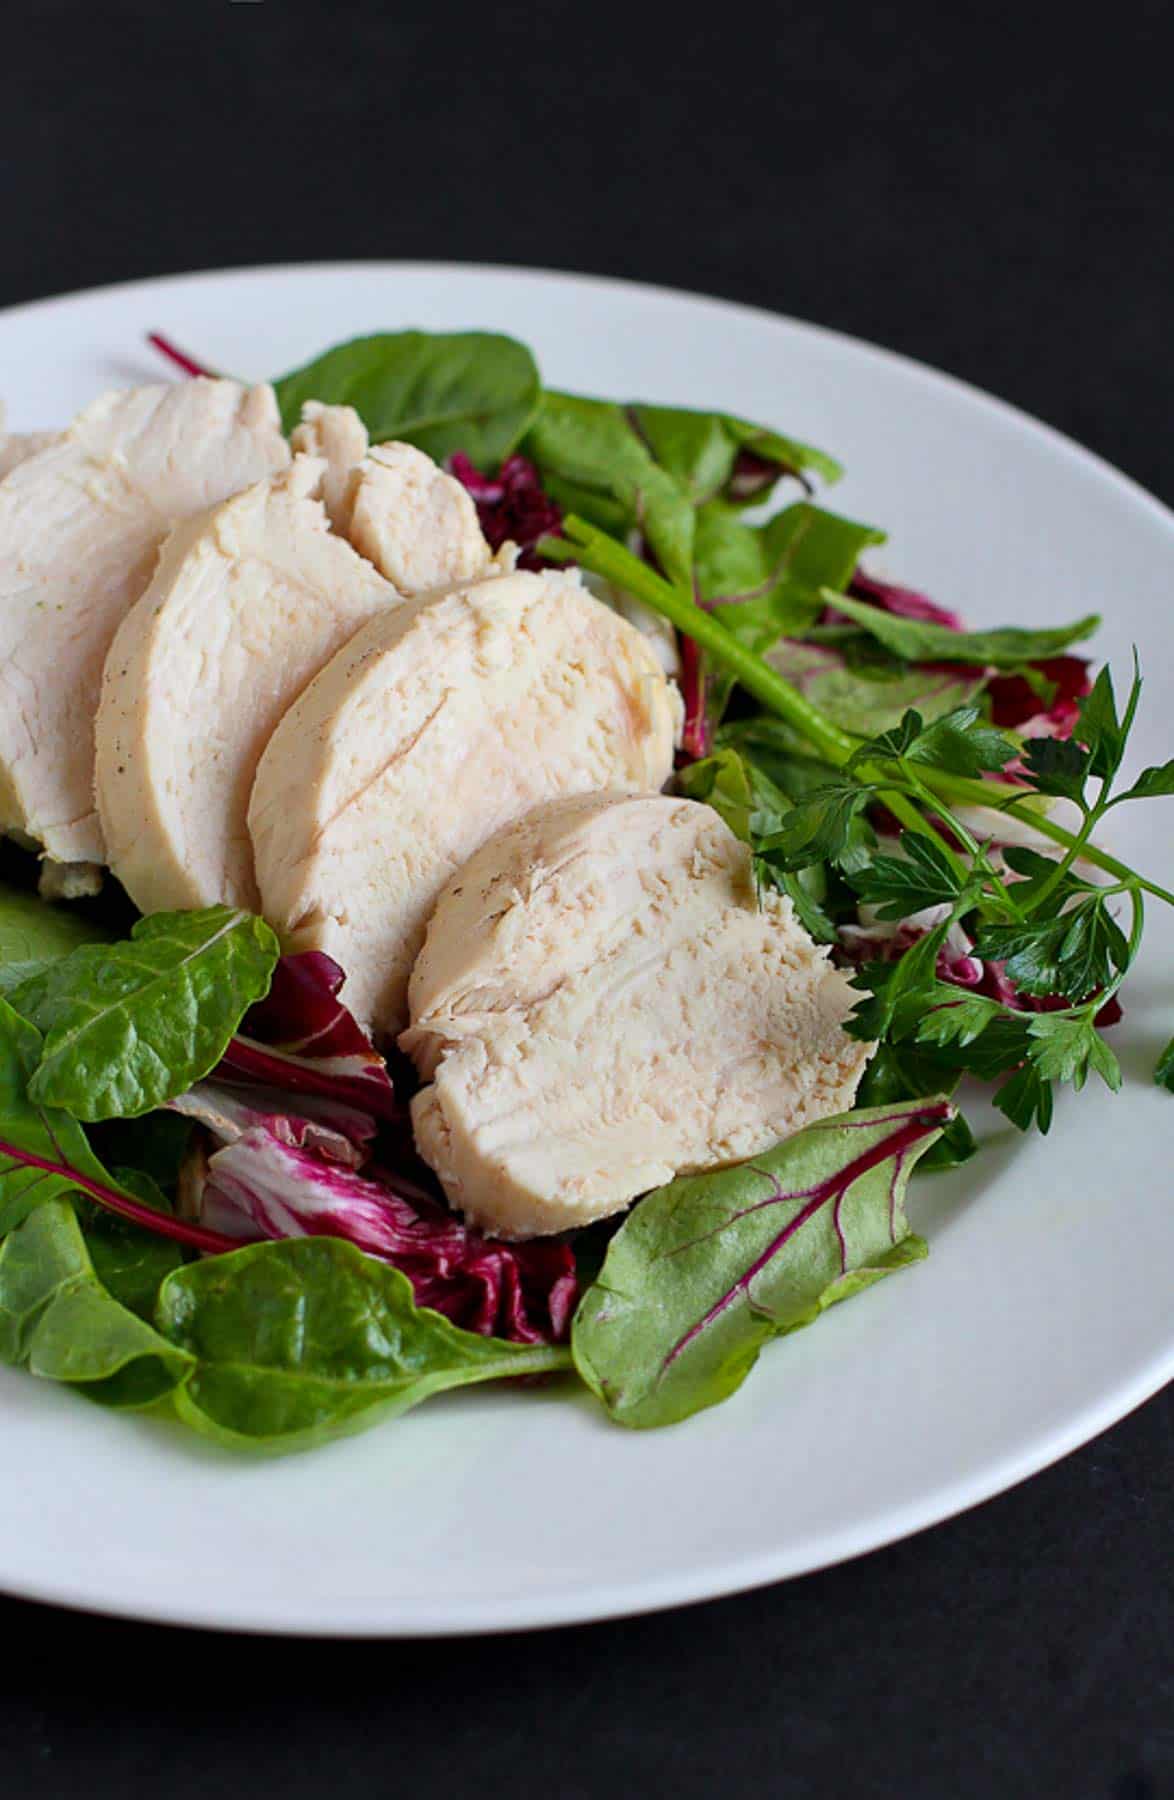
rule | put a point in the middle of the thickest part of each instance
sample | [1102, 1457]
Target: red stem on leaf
[163, 1224]
[697, 736]
[175, 355]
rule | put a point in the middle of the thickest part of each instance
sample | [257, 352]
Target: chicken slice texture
[81, 524]
[417, 524]
[338, 434]
[249, 600]
[18, 446]
[438, 724]
[601, 1004]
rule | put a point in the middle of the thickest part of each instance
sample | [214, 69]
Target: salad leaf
[128, 1026]
[594, 462]
[900, 1072]
[257, 1186]
[710, 453]
[769, 580]
[34, 934]
[922, 875]
[41, 1149]
[704, 1271]
[298, 1342]
[129, 1261]
[475, 391]
[58, 1320]
[867, 694]
[958, 743]
[921, 640]
[1164, 1069]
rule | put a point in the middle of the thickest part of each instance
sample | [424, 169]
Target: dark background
[993, 197]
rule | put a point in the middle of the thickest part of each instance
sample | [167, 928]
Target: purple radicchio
[512, 506]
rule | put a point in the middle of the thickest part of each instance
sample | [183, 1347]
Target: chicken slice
[80, 527]
[18, 446]
[248, 602]
[601, 1004]
[416, 524]
[338, 434]
[437, 725]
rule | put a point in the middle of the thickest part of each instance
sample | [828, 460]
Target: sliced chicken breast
[438, 724]
[338, 434]
[416, 524]
[81, 524]
[248, 602]
[601, 1004]
[18, 446]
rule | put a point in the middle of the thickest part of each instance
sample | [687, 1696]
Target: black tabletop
[993, 196]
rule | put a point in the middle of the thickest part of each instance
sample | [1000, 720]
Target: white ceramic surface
[1044, 1311]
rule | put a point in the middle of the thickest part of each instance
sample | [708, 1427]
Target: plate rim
[562, 1604]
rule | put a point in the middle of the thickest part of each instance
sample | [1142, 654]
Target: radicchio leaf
[512, 506]
[705, 1270]
[258, 1187]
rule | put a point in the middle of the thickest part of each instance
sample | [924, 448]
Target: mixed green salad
[927, 796]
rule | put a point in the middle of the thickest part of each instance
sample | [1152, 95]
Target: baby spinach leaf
[58, 1319]
[706, 452]
[53, 1141]
[307, 1339]
[918, 640]
[128, 1026]
[593, 462]
[474, 391]
[34, 934]
[128, 1261]
[704, 1271]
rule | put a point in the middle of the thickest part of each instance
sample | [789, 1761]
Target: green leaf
[1065, 1048]
[924, 874]
[129, 1261]
[769, 580]
[1099, 727]
[475, 391]
[1026, 1099]
[828, 826]
[900, 992]
[1151, 784]
[865, 691]
[959, 742]
[1057, 766]
[918, 640]
[898, 1072]
[307, 1339]
[28, 1129]
[957, 1017]
[33, 934]
[1164, 1068]
[1071, 953]
[128, 1026]
[58, 1319]
[704, 1271]
[593, 462]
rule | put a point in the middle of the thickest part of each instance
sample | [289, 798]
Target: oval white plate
[1044, 1311]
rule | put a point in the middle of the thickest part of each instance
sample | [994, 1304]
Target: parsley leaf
[1064, 1047]
[826, 826]
[1026, 1099]
[1057, 766]
[923, 875]
[1164, 1070]
[960, 743]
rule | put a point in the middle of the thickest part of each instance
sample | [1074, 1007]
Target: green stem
[597, 551]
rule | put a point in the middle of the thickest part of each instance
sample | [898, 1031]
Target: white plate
[1044, 1312]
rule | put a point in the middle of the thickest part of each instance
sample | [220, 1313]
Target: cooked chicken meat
[601, 1004]
[415, 523]
[80, 527]
[18, 446]
[338, 434]
[437, 725]
[248, 602]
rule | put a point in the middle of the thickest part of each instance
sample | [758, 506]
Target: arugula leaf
[704, 1271]
[923, 875]
[593, 462]
[34, 934]
[129, 1026]
[306, 1339]
[1164, 1068]
[920, 640]
[58, 1319]
[864, 690]
[475, 391]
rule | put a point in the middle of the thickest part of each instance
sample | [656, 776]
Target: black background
[985, 188]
